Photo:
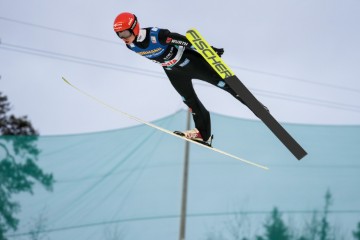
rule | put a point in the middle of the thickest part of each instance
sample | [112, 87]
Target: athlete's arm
[172, 38]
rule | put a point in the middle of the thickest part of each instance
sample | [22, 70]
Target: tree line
[317, 227]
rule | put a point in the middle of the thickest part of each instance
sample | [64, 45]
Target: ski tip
[65, 80]
[191, 30]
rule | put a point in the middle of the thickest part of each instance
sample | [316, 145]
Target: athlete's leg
[201, 70]
[183, 85]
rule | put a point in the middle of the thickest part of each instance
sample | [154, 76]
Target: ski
[205, 49]
[163, 129]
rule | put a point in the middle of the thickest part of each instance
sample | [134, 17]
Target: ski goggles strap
[134, 24]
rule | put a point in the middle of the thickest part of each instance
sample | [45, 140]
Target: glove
[219, 51]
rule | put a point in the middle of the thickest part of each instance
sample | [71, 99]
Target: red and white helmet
[126, 21]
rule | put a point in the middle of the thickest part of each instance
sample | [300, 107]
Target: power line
[233, 66]
[175, 216]
[298, 79]
[155, 74]
[58, 30]
[310, 100]
[298, 99]
[99, 176]
[74, 59]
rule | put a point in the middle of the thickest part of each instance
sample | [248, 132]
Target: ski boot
[195, 135]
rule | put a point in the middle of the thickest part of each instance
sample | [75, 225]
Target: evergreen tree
[275, 228]
[356, 233]
[319, 228]
[18, 168]
[325, 227]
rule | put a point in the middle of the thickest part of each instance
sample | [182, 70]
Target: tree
[275, 228]
[311, 230]
[114, 233]
[356, 233]
[239, 226]
[18, 169]
[325, 226]
[37, 228]
[320, 228]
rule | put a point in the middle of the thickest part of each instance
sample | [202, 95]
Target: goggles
[124, 34]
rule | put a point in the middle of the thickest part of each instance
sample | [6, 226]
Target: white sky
[300, 58]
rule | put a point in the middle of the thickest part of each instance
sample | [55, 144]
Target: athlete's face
[127, 36]
[130, 39]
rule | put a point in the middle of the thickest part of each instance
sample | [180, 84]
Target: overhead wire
[176, 216]
[130, 69]
[57, 30]
[80, 60]
[337, 87]
[299, 99]
[155, 74]
[232, 66]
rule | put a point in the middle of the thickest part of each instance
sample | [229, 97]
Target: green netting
[130, 179]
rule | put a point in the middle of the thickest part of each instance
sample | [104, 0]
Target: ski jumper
[181, 64]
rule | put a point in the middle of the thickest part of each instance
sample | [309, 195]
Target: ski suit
[181, 64]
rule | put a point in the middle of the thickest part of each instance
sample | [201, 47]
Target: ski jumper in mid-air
[181, 63]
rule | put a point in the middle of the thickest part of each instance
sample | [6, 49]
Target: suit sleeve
[172, 38]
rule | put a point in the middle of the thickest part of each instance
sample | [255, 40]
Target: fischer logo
[209, 54]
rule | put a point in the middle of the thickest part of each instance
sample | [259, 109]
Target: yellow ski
[205, 49]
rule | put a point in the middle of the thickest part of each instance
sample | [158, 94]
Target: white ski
[163, 129]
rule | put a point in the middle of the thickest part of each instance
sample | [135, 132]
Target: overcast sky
[300, 58]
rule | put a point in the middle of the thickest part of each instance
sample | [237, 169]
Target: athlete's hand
[219, 51]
